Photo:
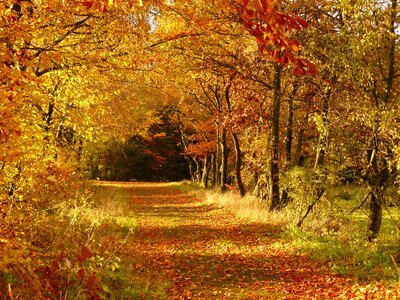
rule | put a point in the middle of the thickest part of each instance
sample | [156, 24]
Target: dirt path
[193, 250]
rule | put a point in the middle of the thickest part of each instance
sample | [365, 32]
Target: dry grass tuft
[248, 208]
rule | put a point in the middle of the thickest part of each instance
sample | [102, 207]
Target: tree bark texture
[323, 136]
[218, 160]
[274, 162]
[224, 160]
[297, 155]
[238, 165]
[206, 171]
[213, 170]
[289, 139]
[375, 217]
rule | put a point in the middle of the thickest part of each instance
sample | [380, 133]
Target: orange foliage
[272, 27]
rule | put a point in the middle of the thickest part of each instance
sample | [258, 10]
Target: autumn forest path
[195, 250]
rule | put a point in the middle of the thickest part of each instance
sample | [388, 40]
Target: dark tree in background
[155, 156]
[163, 143]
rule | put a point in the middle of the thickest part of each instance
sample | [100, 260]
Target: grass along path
[184, 248]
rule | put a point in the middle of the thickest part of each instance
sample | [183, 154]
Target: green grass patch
[356, 256]
[337, 234]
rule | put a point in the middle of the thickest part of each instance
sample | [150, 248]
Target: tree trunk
[206, 171]
[191, 165]
[274, 162]
[289, 139]
[254, 183]
[49, 115]
[238, 165]
[218, 159]
[224, 160]
[197, 173]
[298, 160]
[297, 155]
[289, 129]
[213, 170]
[320, 156]
[377, 182]
[189, 160]
[323, 136]
[375, 216]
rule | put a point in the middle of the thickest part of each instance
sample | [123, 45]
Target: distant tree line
[154, 156]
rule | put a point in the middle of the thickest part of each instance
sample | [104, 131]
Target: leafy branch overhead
[274, 32]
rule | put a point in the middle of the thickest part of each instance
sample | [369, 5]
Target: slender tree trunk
[256, 173]
[375, 218]
[189, 160]
[224, 160]
[320, 156]
[191, 165]
[378, 176]
[206, 171]
[297, 160]
[197, 173]
[254, 181]
[274, 162]
[289, 130]
[289, 139]
[213, 170]
[323, 136]
[238, 165]
[49, 115]
[218, 160]
[297, 155]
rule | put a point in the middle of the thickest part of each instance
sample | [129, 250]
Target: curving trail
[198, 251]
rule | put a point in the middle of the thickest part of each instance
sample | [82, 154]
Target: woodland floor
[194, 250]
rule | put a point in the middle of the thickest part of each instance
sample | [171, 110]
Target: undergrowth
[73, 249]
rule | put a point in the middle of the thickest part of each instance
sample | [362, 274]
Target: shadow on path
[207, 253]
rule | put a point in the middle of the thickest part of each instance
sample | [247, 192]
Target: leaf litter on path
[205, 252]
